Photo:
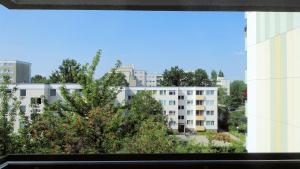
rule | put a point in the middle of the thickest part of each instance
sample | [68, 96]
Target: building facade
[34, 94]
[186, 108]
[19, 71]
[273, 80]
[138, 78]
[221, 81]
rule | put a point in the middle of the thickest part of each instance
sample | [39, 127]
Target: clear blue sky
[152, 41]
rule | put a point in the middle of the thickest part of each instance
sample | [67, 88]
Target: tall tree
[86, 122]
[67, 72]
[213, 77]
[188, 79]
[9, 107]
[221, 74]
[173, 77]
[237, 93]
[39, 79]
[201, 78]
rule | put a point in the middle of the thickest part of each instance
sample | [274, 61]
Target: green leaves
[178, 77]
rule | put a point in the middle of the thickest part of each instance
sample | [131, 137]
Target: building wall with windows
[137, 78]
[19, 72]
[273, 80]
[221, 81]
[186, 108]
[32, 96]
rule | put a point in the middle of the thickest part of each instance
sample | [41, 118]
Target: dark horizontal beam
[161, 5]
[151, 161]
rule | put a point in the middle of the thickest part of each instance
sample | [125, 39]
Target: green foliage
[173, 77]
[151, 138]
[238, 120]
[39, 79]
[213, 77]
[67, 72]
[177, 77]
[201, 78]
[8, 111]
[222, 137]
[221, 74]
[237, 90]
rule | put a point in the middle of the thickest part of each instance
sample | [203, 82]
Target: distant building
[224, 84]
[141, 77]
[19, 71]
[186, 108]
[128, 71]
[153, 80]
[138, 78]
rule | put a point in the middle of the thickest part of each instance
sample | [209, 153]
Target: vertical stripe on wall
[277, 94]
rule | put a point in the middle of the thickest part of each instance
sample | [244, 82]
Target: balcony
[200, 97]
[199, 117]
[200, 128]
[200, 107]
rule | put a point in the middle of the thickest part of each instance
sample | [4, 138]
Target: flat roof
[13, 61]
[162, 5]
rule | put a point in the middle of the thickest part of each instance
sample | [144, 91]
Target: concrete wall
[273, 79]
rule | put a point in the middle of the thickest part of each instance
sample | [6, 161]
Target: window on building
[129, 97]
[189, 92]
[181, 117]
[180, 107]
[52, 92]
[209, 102]
[211, 112]
[199, 112]
[23, 108]
[189, 102]
[210, 123]
[199, 102]
[172, 112]
[209, 92]
[163, 102]
[172, 123]
[36, 100]
[162, 92]
[172, 92]
[172, 102]
[190, 112]
[180, 97]
[23, 92]
[199, 92]
[199, 122]
[189, 122]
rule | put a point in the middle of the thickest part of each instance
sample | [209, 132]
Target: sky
[153, 41]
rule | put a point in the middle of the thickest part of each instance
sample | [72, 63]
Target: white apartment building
[187, 108]
[141, 77]
[221, 81]
[273, 80]
[137, 78]
[19, 71]
[35, 93]
[153, 80]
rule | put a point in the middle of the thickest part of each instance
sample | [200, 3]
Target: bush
[221, 137]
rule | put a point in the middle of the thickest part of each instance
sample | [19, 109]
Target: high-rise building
[273, 80]
[128, 72]
[137, 78]
[19, 71]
